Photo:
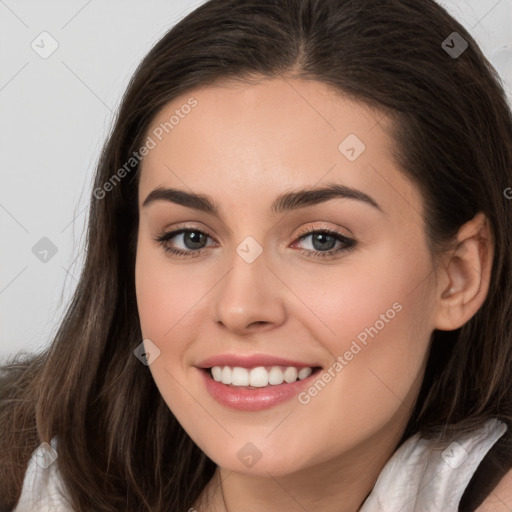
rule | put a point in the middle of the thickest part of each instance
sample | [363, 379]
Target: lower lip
[255, 399]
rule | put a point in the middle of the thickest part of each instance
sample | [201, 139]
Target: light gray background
[55, 115]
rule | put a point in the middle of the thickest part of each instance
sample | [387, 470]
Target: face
[329, 293]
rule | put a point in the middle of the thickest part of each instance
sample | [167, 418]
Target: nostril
[258, 323]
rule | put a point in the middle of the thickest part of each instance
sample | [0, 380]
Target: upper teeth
[260, 376]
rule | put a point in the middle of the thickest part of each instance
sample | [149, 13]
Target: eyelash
[350, 244]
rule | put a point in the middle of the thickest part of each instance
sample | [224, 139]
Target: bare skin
[244, 145]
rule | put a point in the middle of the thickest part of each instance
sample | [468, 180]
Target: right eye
[192, 240]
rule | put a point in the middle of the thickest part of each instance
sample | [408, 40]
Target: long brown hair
[120, 447]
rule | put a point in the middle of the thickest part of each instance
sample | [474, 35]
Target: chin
[248, 459]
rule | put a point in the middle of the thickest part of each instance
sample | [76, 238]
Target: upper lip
[251, 361]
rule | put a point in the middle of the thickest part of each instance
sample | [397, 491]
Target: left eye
[326, 237]
[194, 241]
[322, 240]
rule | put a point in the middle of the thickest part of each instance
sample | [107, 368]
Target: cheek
[168, 295]
[382, 363]
[366, 292]
[375, 321]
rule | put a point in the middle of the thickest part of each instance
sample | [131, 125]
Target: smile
[256, 382]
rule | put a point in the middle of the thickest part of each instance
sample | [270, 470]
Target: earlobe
[466, 274]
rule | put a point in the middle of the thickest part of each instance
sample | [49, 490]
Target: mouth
[256, 382]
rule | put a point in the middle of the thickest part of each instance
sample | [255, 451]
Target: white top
[43, 490]
[418, 476]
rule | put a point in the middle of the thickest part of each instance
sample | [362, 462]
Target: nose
[250, 298]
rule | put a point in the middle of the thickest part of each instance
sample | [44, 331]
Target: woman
[296, 293]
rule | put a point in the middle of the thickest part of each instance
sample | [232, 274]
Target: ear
[465, 274]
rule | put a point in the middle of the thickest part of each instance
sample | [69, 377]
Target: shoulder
[500, 498]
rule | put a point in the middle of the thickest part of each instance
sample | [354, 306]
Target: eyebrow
[285, 202]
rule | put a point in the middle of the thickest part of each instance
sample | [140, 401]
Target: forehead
[248, 140]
